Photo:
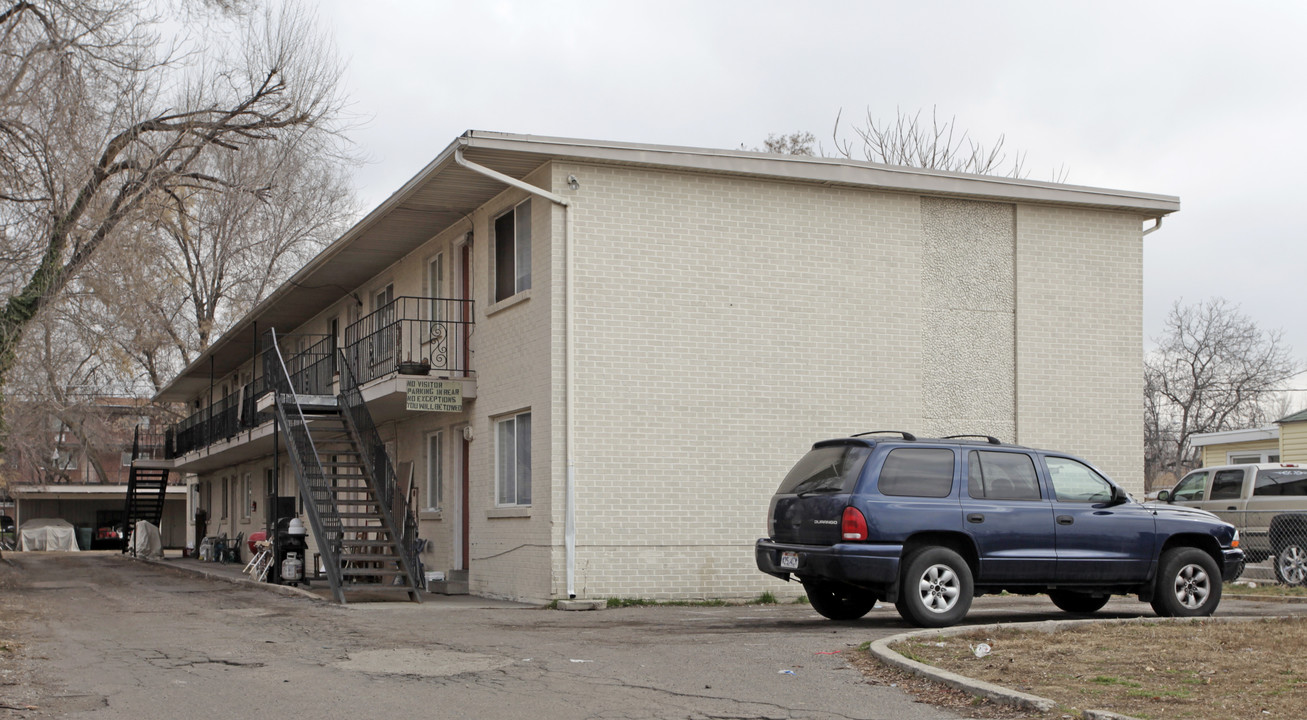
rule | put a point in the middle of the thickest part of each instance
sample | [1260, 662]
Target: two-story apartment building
[629, 345]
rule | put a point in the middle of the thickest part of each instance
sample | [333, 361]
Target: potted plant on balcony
[409, 366]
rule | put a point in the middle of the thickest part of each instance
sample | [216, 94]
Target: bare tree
[1214, 369]
[216, 253]
[99, 131]
[795, 143]
[909, 141]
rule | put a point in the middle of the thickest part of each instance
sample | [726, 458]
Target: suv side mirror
[1164, 496]
[1119, 496]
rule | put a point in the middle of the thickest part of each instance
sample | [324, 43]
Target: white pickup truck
[1267, 502]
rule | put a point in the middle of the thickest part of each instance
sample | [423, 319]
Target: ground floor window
[1248, 457]
[435, 470]
[513, 460]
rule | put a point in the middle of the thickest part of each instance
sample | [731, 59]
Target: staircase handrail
[319, 503]
[356, 413]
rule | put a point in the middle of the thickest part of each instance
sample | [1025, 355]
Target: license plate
[790, 560]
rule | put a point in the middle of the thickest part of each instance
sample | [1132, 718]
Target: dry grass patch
[1201, 670]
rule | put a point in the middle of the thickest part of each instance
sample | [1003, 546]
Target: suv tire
[1291, 563]
[936, 589]
[1077, 603]
[838, 602]
[1188, 584]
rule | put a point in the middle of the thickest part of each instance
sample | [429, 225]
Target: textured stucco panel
[967, 331]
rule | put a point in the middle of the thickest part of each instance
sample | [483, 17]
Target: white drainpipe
[569, 522]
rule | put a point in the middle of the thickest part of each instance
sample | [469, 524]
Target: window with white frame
[513, 460]
[513, 251]
[1248, 457]
[435, 470]
[226, 497]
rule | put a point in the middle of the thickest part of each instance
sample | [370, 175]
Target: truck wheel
[838, 602]
[1291, 563]
[937, 588]
[1188, 584]
[1077, 602]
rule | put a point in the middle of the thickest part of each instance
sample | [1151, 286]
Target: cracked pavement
[130, 640]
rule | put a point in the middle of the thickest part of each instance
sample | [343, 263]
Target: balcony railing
[311, 371]
[430, 333]
[425, 332]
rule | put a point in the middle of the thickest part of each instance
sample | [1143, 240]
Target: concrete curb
[880, 649]
[286, 590]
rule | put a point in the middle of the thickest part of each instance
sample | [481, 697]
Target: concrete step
[455, 583]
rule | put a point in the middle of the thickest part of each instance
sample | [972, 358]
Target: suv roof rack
[906, 435]
[988, 438]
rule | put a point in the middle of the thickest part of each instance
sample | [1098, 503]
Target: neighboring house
[56, 477]
[1285, 441]
[634, 343]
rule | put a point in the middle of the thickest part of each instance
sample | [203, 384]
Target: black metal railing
[421, 334]
[396, 504]
[311, 372]
[319, 502]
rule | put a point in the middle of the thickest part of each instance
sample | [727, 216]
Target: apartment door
[460, 509]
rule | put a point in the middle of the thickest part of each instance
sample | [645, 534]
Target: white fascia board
[1227, 437]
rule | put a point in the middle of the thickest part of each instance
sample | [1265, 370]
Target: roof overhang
[76, 492]
[1226, 437]
[444, 194]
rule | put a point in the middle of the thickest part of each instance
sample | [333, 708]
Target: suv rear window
[917, 472]
[1284, 481]
[827, 469]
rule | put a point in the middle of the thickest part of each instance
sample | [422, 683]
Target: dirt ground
[1201, 670]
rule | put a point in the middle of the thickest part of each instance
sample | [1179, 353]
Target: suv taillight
[853, 526]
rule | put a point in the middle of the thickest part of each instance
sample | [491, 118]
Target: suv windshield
[828, 469]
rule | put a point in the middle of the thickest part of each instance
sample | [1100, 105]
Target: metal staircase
[345, 478]
[147, 487]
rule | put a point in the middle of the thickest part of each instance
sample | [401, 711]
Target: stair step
[448, 587]
[356, 572]
[366, 543]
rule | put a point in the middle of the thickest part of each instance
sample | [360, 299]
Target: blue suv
[928, 524]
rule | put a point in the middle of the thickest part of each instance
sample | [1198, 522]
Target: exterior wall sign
[434, 396]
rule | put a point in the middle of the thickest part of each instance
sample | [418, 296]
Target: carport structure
[78, 504]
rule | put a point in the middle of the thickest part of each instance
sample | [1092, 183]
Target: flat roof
[444, 193]
[1270, 432]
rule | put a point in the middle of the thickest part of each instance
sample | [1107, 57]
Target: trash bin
[289, 548]
[84, 537]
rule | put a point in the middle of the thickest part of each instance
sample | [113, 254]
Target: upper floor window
[513, 251]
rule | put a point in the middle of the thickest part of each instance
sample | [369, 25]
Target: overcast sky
[1201, 100]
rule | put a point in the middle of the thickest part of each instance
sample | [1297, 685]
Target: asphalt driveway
[119, 639]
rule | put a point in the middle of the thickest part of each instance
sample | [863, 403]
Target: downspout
[569, 517]
[1157, 226]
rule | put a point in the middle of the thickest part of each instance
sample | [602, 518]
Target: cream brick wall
[1080, 337]
[724, 324]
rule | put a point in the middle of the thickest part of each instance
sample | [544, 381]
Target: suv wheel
[1291, 563]
[936, 589]
[1188, 584]
[838, 602]
[1077, 602]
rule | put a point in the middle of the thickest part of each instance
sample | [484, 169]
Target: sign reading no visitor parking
[434, 396]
